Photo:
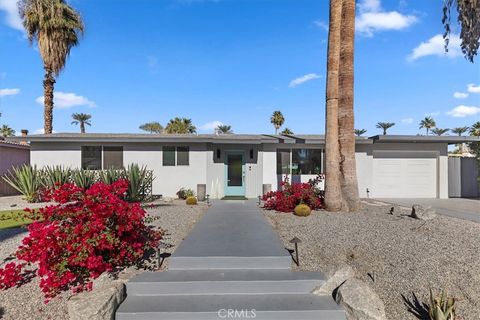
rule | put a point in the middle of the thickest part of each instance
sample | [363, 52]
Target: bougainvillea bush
[83, 235]
[292, 194]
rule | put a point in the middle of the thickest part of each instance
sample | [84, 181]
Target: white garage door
[404, 175]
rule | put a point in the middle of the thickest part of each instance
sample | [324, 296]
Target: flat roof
[232, 138]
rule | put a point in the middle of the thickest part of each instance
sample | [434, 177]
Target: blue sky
[235, 62]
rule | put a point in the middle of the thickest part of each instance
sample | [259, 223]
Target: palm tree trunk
[48, 84]
[384, 131]
[333, 192]
[349, 182]
[82, 127]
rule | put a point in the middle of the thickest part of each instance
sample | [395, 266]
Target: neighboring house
[238, 164]
[12, 154]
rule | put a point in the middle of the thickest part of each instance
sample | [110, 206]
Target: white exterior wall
[269, 166]
[50, 154]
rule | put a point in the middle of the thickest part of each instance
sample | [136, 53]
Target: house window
[92, 157]
[183, 156]
[283, 161]
[306, 161]
[168, 156]
[112, 158]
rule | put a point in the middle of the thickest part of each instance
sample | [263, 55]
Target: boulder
[423, 213]
[339, 277]
[98, 304]
[360, 301]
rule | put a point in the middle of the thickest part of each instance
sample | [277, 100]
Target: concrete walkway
[232, 263]
[460, 208]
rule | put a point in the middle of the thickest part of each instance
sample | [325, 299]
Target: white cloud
[305, 78]
[407, 120]
[42, 131]
[432, 114]
[65, 100]
[12, 16]
[435, 46]
[210, 126]
[473, 89]
[9, 92]
[321, 24]
[460, 95]
[463, 111]
[372, 18]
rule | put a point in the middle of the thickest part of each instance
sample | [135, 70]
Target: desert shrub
[302, 210]
[139, 182]
[185, 193]
[441, 307]
[84, 235]
[292, 194]
[84, 179]
[26, 180]
[55, 176]
[191, 201]
[109, 176]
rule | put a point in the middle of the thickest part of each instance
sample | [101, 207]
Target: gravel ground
[26, 302]
[404, 256]
[17, 203]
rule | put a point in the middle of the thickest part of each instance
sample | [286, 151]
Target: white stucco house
[388, 166]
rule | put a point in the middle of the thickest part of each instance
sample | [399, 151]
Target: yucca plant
[55, 176]
[84, 178]
[139, 181]
[26, 180]
[109, 176]
[442, 307]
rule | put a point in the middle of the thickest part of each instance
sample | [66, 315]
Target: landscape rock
[99, 304]
[360, 301]
[335, 281]
[423, 213]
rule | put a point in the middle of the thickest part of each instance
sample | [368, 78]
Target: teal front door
[235, 173]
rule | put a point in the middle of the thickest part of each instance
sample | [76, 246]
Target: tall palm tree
[82, 119]
[224, 129]
[180, 126]
[459, 130]
[475, 129]
[439, 131]
[277, 119]
[286, 132]
[152, 127]
[6, 131]
[385, 126]
[360, 132]
[56, 27]
[427, 123]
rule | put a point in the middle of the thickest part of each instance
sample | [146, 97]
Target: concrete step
[208, 282]
[259, 307]
[225, 262]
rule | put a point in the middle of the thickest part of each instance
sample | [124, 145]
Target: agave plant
[26, 180]
[441, 307]
[55, 176]
[84, 178]
[140, 181]
[109, 176]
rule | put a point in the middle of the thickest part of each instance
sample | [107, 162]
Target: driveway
[466, 209]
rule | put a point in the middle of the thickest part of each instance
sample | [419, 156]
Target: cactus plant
[302, 210]
[55, 176]
[26, 180]
[191, 201]
[84, 178]
[442, 307]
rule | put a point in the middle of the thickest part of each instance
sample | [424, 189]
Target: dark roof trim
[420, 139]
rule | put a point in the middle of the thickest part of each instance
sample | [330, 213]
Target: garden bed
[396, 255]
[26, 302]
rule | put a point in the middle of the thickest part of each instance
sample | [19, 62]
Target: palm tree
[360, 132]
[82, 119]
[427, 123]
[224, 129]
[6, 131]
[286, 132]
[56, 27]
[385, 126]
[439, 131]
[459, 130]
[277, 119]
[152, 127]
[180, 126]
[333, 190]
[475, 129]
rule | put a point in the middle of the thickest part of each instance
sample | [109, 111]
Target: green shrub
[191, 201]
[185, 193]
[302, 210]
[441, 307]
[109, 176]
[26, 180]
[140, 180]
[84, 178]
[55, 176]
